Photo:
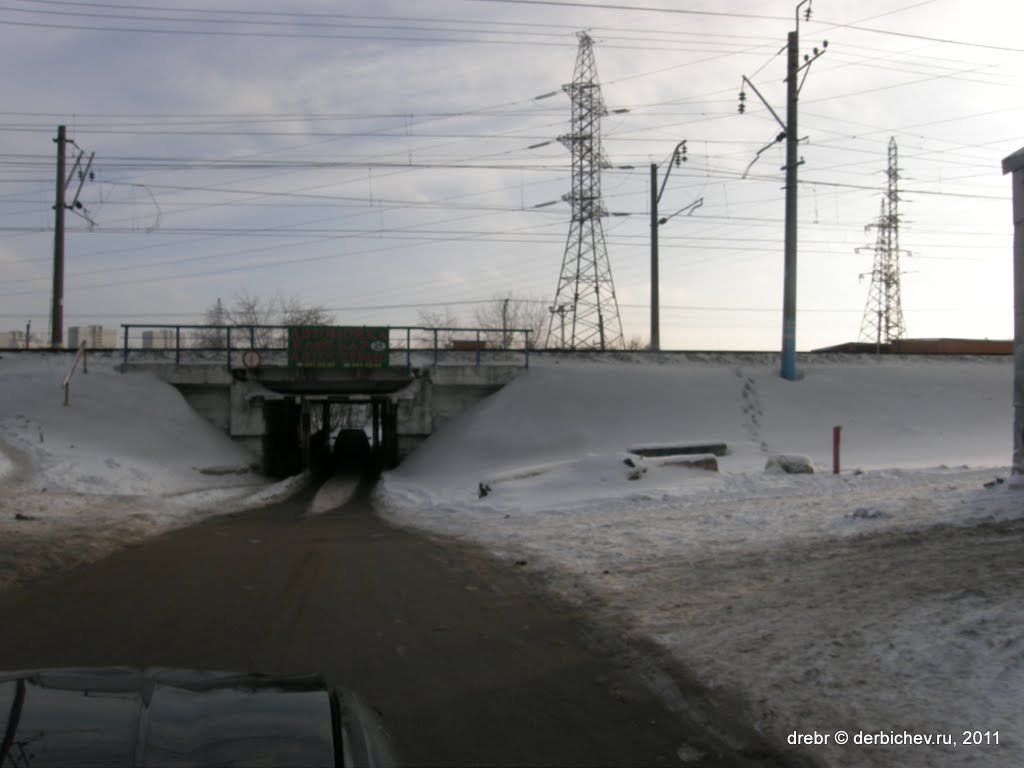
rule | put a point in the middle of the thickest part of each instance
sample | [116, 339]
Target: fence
[407, 345]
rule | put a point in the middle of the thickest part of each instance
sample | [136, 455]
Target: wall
[434, 396]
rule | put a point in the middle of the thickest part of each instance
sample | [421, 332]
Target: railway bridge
[289, 391]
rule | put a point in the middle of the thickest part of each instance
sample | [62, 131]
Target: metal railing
[407, 345]
[81, 355]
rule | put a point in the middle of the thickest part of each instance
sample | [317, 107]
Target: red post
[836, 434]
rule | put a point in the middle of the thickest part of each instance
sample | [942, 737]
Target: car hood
[165, 717]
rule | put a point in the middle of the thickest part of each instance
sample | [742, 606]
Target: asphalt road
[464, 656]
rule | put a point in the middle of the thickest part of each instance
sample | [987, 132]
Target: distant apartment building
[94, 336]
[17, 340]
[159, 339]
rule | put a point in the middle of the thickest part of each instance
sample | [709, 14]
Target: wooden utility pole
[1015, 164]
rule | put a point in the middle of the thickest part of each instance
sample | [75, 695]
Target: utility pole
[655, 342]
[789, 133]
[1015, 164]
[63, 182]
[560, 310]
[676, 159]
[57, 304]
[504, 324]
[789, 269]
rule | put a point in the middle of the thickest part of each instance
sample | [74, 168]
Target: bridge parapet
[232, 346]
[233, 374]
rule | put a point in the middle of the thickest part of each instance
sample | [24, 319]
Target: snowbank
[884, 598]
[121, 433]
[887, 598]
[896, 413]
[126, 458]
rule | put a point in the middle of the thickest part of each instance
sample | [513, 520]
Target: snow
[887, 598]
[126, 458]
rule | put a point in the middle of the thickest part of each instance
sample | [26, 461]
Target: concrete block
[715, 448]
[707, 462]
[789, 464]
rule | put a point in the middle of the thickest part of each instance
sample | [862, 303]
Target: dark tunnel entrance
[328, 434]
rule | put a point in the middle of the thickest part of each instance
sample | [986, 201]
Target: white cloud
[406, 91]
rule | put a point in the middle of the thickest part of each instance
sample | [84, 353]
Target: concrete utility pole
[57, 304]
[59, 206]
[655, 342]
[1015, 164]
[789, 269]
[789, 133]
[675, 160]
[560, 310]
[504, 324]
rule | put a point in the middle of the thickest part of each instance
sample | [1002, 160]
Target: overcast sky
[381, 158]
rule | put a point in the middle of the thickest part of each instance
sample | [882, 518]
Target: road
[464, 656]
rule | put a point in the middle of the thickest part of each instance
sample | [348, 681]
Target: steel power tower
[883, 313]
[585, 285]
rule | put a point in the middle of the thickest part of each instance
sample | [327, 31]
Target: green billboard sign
[337, 346]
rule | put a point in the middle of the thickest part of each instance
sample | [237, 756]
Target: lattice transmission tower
[585, 286]
[883, 313]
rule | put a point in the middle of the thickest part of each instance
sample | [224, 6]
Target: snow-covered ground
[885, 599]
[126, 458]
[888, 599]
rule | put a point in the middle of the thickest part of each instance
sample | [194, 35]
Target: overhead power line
[925, 38]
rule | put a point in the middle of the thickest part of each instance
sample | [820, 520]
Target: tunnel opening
[330, 435]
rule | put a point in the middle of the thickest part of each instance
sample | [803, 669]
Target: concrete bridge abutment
[267, 409]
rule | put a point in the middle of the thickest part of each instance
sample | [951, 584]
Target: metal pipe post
[1015, 164]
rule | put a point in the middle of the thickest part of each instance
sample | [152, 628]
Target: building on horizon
[20, 340]
[93, 336]
[163, 338]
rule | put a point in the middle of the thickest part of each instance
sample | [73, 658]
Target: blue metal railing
[214, 344]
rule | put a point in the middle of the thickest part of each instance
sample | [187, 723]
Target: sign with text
[335, 346]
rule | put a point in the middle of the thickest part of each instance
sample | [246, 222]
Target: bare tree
[293, 312]
[253, 314]
[437, 318]
[248, 311]
[636, 344]
[511, 312]
[213, 338]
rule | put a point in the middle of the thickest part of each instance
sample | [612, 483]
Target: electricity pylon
[883, 313]
[585, 284]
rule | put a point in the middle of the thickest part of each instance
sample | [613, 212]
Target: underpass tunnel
[350, 434]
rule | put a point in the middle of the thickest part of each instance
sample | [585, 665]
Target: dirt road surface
[465, 658]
